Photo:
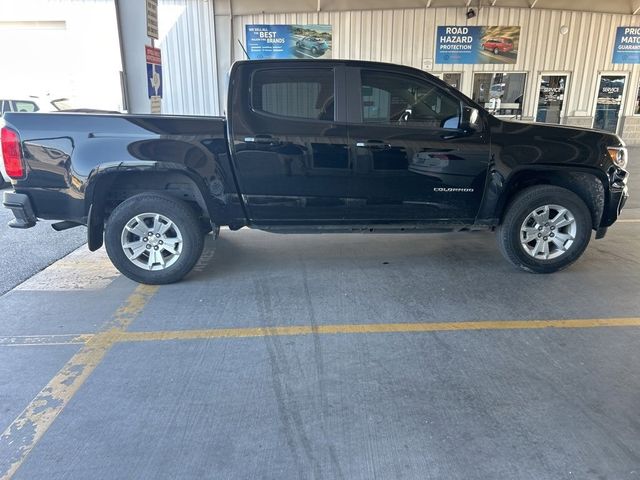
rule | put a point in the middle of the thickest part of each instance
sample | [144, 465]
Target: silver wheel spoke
[559, 216]
[139, 229]
[530, 233]
[170, 248]
[538, 248]
[559, 243]
[137, 249]
[165, 227]
[563, 237]
[543, 216]
[564, 222]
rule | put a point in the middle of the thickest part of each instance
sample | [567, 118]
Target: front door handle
[374, 144]
[264, 139]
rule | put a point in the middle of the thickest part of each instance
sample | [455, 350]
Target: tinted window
[397, 99]
[296, 92]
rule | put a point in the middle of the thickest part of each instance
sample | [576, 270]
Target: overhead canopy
[247, 7]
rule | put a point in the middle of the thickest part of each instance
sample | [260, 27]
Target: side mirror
[470, 119]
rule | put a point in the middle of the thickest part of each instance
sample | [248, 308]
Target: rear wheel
[546, 228]
[153, 238]
[496, 51]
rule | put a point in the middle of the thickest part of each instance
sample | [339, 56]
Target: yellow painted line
[17, 441]
[117, 335]
[122, 336]
[55, 339]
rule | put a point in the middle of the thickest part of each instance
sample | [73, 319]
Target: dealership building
[556, 61]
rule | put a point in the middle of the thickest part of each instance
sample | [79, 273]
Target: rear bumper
[22, 210]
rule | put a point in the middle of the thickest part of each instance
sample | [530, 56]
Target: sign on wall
[460, 44]
[627, 46]
[288, 41]
[152, 19]
[154, 77]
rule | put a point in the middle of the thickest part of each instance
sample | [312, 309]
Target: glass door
[551, 98]
[609, 102]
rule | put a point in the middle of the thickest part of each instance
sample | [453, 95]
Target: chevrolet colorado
[314, 146]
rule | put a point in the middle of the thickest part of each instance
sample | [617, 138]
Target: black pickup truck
[315, 146]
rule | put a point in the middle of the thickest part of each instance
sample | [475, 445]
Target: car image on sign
[498, 45]
[316, 45]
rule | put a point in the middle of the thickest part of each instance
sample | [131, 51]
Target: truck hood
[553, 131]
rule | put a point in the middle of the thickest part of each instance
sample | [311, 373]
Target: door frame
[606, 73]
[557, 73]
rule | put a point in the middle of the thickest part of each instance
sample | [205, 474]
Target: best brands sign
[627, 46]
[492, 44]
[288, 41]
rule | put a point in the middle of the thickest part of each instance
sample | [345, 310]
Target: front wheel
[496, 51]
[153, 238]
[545, 229]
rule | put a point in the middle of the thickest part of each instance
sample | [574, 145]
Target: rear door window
[304, 93]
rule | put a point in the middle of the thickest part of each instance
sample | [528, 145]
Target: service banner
[458, 44]
[627, 46]
[288, 41]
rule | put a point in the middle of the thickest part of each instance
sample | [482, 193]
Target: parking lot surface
[26, 252]
[328, 356]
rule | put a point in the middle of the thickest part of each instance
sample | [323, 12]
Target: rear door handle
[375, 144]
[264, 139]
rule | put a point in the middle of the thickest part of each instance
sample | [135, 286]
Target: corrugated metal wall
[407, 36]
[188, 43]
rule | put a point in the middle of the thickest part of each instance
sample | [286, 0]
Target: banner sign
[627, 46]
[288, 41]
[154, 71]
[459, 44]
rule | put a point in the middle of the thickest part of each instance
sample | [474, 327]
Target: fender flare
[102, 177]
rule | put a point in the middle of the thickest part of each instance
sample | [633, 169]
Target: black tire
[530, 199]
[496, 51]
[182, 216]
[314, 50]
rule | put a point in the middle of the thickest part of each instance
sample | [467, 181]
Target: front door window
[609, 101]
[551, 98]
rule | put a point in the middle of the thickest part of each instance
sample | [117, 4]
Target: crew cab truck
[315, 146]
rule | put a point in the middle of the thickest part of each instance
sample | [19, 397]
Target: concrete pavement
[328, 356]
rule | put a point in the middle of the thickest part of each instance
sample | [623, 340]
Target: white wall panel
[407, 36]
[189, 68]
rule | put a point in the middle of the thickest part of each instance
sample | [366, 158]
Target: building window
[296, 92]
[452, 79]
[397, 99]
[500, 93]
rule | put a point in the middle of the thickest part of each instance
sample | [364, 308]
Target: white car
[28, 104]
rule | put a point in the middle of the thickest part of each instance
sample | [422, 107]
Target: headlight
[618, 156]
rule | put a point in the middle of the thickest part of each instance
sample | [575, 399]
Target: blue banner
[473, 45]
[288, 41]
[627, 46]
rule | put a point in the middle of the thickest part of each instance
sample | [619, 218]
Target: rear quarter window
[24, 106]
[301, 93]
